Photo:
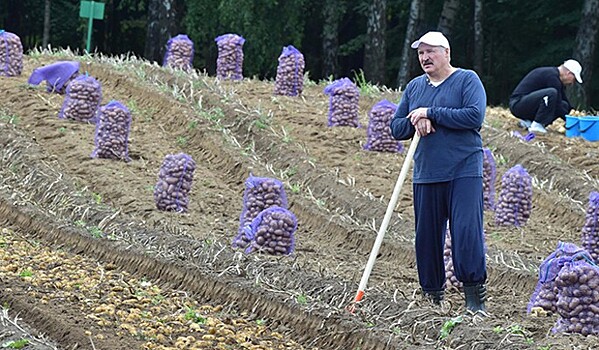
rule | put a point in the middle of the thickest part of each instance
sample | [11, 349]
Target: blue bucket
[572, 126]
[589, 128]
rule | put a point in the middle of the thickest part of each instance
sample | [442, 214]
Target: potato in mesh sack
[514, 204]
[590, 230]
[229, 64]
[179, 53]
[82, 99]
[11, 54]
[578, 297]
[272, 232]
[175, 178]
[489, 177]
[343, 103]
[112, 132]
[57, 75]
[260, 193]
[378, 134]
[290, 72]
[546, 290]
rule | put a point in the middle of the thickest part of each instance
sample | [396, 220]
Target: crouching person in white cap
[446, 106]
[539, 99]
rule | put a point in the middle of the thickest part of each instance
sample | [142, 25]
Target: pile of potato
[590, 230]
[229, 64]
[290, 72]
[112, 132]
[82, 100]
[546, 290]
[489, 176]
[260, 194]
[378, 134]
[272, 232]
[514, 204]
[179, 53]
[175, 177]
[11, 54]
[343, 103]
[578, 298]
[450, 278]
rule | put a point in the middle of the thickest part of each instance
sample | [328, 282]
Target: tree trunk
[332, 11]
[404, 67]
[163, 22]
[448, 15]
[479, 40]
[46, 35]
[375, 48]
[585, 52]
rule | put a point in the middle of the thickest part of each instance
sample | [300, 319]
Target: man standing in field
[539, 99]
[446, 107]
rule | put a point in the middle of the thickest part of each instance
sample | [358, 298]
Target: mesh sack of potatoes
[11, 54]
[489, 178]
[57, 75]
[229, 63]
[175, 178]
[343, 103]
[578, 297]
[82, 99]
[590, 230]
[450, 278]
[112, 132]
[289, 80]
[272, 232]
[514, 203]
[544, 295]
[378, 133]
[260, 193]
[179, 53]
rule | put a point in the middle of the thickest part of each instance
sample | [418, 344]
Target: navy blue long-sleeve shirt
[456, 109]
[541, 78]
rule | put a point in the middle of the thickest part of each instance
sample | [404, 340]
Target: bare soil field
[88, 260]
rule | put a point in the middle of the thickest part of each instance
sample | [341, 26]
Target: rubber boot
[475, 297]
[434, 297]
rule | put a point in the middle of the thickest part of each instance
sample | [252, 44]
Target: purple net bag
[112, 132]
[590, 230]
[378, 134]
[57, 75]
[578, 297]
[82, 99]
[229, 64]
[272, 232]
[343, 103]
[546, 291]
[489, 176]
[515, 199]
[290, 72]
[179, 53]
[11, 54]
[175, 178]
[260, 193]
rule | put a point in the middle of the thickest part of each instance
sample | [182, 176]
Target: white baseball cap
[432, 39]
[574, 67]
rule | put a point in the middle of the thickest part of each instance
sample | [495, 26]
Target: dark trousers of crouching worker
[540, 106]
[460, 201]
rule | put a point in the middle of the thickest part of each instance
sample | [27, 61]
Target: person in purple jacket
[539, 99]
[446, 107]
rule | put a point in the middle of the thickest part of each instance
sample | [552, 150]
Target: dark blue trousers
[461, 202]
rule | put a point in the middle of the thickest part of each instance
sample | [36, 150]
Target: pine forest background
[365, 40]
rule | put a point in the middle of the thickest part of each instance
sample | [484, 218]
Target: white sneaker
[537, 128]
[524, 123]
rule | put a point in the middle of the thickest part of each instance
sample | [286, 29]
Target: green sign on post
[92, 10]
